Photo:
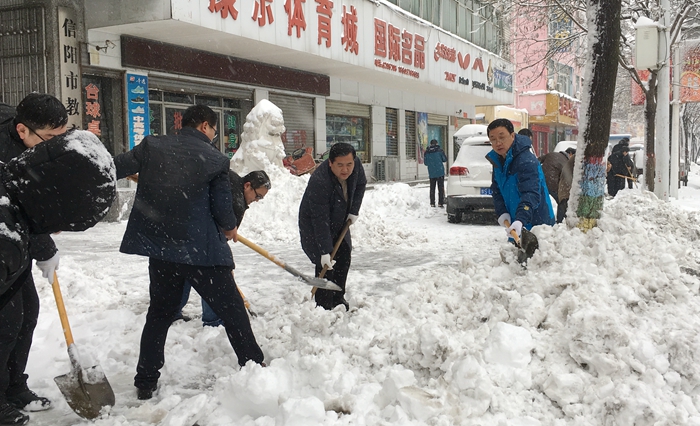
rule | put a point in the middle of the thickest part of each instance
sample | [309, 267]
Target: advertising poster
[690, 71]
[137, 105]
[421, 134]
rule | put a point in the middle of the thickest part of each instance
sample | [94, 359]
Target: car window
[474, 154]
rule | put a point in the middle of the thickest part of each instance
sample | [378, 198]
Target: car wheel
[454, 218]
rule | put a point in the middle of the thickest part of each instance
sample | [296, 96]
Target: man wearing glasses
[182, 217]
[519, 189]
[244, 191]
[39, 117]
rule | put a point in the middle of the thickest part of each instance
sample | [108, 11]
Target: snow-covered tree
[603, 23]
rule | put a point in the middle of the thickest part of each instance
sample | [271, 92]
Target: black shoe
[181, 316]
[29, 401]
[441, 205]
[10, 416]
[432, 205]
[144, 394]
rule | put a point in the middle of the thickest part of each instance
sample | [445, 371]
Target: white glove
[516, 226]
[502, 219]
[353, 218]
[48, 267]
[326, 261]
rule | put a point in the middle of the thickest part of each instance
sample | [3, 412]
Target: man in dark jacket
[244, 191]
[434, 158]
[38, 117]
[332, 197]
[65, 184]
[552, 165]
[621, 167]
[518, 185]
[181, 219]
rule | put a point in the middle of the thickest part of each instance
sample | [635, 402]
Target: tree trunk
[600, 78]
[650, 117]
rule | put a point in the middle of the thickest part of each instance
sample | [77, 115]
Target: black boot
[29, 401]
[10, 416]
[144, 394]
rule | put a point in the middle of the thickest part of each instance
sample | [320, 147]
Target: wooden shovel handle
[62, 310]
[261, 251]
[335, 250]
[512, 233]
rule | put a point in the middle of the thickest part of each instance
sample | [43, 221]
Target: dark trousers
[440, 182]
[561, 210]
[217, 287]
[329, 299]
[617, 184]
[208, 315]
[17, 322]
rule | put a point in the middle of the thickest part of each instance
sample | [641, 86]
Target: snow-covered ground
[601, 329]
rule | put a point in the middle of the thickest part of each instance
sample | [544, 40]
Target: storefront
[359, 72]
[553, 118]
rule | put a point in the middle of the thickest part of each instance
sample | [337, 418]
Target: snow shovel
[313, 281]
[86, 390]
[335, 250]
[527, 246]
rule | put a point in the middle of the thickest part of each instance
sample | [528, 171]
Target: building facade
[549, 75]
[364, 72]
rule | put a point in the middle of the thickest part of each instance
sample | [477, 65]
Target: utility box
[646, 54]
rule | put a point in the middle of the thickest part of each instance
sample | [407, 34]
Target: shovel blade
[528, 246]
[322, 283]
[86, 390]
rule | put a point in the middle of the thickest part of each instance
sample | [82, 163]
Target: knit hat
[67, 183]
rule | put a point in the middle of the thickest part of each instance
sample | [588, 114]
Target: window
[352, 130]
[411, 142]
[392, 126]
[166, 109]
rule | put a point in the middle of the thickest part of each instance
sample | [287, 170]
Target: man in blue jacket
[332, 197]
[520, 194]
[434, 157]
[181, 219]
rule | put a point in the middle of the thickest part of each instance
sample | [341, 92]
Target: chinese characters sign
[93, 105]
[69, 64]
[690, 71]
[137, 103]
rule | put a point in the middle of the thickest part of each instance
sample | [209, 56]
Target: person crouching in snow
[520, 194]
[63, 184]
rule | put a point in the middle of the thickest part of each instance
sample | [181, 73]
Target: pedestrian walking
[434, 159]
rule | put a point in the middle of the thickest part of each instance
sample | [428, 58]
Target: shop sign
[400, 47]
[503, 80]
[568, 108]
[690, 71]
[93, 107]
[137, 104]
[69, 64]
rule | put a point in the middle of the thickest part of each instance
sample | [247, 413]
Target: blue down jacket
[519, 187]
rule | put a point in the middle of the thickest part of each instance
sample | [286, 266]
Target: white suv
[469, 179]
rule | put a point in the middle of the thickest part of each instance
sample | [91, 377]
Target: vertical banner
[421, 135]
[92, 99]
[69, 64]
[690, 71]
[137, 105]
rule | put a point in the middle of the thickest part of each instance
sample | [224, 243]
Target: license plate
[486, 191]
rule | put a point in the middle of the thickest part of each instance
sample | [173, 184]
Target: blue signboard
[502, 80]
[137, 104]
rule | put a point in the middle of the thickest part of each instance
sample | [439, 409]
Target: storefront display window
[352, 130]
[166, 111]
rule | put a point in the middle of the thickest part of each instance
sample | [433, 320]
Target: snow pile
[601, 328]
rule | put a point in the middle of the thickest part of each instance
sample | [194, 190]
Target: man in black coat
[181, 219]
[333, 196]
[38, 117]
[65, 184]
[244, 191]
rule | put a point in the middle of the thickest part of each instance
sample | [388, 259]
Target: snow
[445, 328]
